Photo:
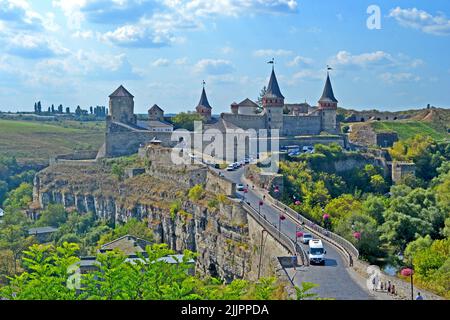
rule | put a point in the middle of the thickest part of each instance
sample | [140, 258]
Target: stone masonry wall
[301, 125]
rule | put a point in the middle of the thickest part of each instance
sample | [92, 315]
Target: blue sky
[76, 52]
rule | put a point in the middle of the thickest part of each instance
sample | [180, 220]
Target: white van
[316, 253]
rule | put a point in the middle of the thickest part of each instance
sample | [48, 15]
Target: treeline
[98, 111]
[12, 174]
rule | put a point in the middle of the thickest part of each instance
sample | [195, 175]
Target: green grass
[35, 142]
[408, 129]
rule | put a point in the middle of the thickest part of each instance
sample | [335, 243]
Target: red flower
[407, 272]
[357, 235]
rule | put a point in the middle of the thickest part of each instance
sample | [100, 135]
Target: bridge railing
[342, 244]
[293, 248]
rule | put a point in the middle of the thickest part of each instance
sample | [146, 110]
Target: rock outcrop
[219, 234]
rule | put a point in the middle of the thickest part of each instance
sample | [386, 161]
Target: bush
[54, 216]
[196, 193]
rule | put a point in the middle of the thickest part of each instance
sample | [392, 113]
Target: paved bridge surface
[333, 278]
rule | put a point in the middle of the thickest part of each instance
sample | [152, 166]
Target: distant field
[408, 129]
[36, 142]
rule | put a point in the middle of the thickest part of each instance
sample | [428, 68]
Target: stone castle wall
[245, 121]
[301, 125]
[122, 140]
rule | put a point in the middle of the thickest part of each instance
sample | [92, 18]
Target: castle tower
[121, 106]
[203, 107]
[273, 103]
[328, 108]
[155, 113]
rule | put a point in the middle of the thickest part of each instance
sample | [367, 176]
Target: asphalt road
[333, 278]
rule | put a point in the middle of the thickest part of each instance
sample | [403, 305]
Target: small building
[2, 213]
[128, 245]
[401, 170]
[386, 139]
[160, 126]
[234, 108]
[42, 234]
[134, 172]
[297, 109]
[247, 107]
[155, 113]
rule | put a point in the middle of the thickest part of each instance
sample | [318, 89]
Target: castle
[297, 123]
[290, 120]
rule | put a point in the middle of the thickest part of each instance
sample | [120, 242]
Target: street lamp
[298, 234]
[409, 272]
[282, 218]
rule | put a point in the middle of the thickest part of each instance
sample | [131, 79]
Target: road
[333, 278]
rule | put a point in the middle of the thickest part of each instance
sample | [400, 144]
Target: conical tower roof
[328, 94]
[204, 100]
[273, 89]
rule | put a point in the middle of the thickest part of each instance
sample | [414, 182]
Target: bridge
[335, 279]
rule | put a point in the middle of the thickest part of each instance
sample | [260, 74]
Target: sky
[77, 52]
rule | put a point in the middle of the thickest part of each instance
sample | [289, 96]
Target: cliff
[219, 234]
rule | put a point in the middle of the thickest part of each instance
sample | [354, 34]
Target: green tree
[20, 197]
[374, 206]
[303, 291]
[55, 215]
[118, 171]
[46, 276]
[186, 120]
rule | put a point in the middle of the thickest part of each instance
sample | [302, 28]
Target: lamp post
[298, 234]
[409, 272]
[261, 203]
[282, 218]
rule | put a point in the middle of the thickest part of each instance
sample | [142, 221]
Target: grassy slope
[36, 142]
[408, 129]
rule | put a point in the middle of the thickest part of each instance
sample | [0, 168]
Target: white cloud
[161, 62]
[88, 34]
[345, 58]
[181, 61]
[153, 22]
[214, 67]
[139, 36]
[34, 47]
[299, 60]
[227, 50]
[399, 77]
[421, 20]
[19, 15]
[308, 75]
[272, 53]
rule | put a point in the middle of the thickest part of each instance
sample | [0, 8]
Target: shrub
[196, 193]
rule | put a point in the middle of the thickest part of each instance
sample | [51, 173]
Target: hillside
[409, 128]
[434, 122]
[34, 142]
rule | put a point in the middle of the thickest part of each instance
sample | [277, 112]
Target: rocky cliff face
[219, 235]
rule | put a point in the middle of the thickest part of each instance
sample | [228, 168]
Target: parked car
[240, 187]
[231, 168]
[306, 238]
